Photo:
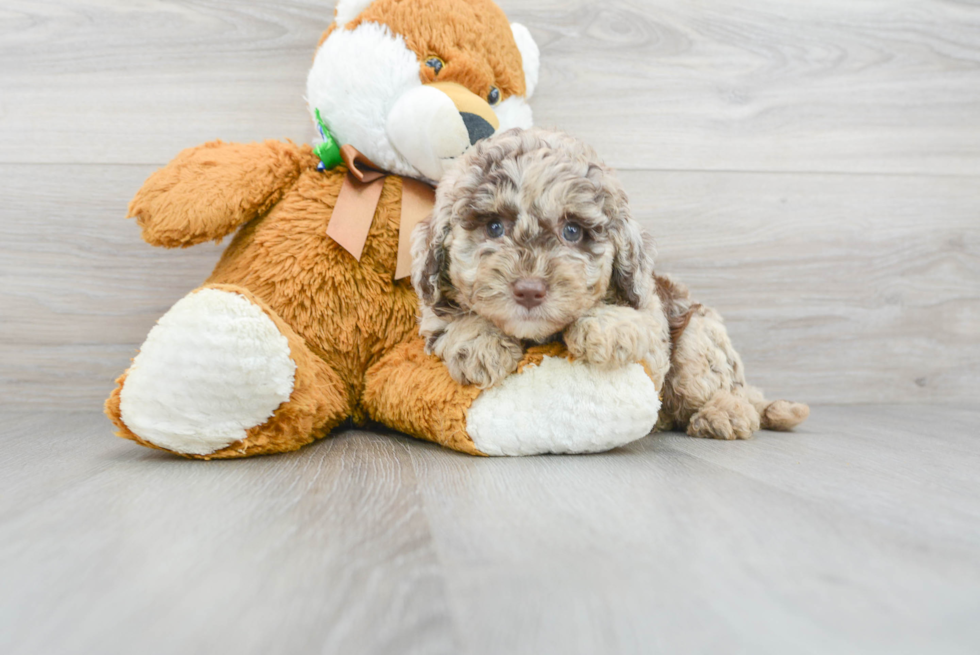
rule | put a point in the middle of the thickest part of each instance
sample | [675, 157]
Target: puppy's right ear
[429, 258]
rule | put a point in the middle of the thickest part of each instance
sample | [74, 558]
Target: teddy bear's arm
[207, 192]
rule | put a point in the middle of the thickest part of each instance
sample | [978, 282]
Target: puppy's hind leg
[706, 390]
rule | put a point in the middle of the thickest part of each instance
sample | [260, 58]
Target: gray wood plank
[763, 85]
[114, 549]
[837, 539]
[836, 288]
[858, 533]
[879, 86]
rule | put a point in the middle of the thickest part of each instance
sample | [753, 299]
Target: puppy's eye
[494, 96]
[435, 64]
[495, 229]
[572, 232]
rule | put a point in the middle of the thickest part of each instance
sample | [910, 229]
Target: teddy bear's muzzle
[477, 127]
[434, 124]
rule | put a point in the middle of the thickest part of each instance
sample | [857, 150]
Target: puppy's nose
[530, 292]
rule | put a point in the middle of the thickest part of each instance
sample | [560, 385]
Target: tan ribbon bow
[358, 201]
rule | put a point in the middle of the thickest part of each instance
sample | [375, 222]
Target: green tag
[328, 151]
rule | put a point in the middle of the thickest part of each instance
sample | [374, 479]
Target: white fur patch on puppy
[214, 366]
[563, 407]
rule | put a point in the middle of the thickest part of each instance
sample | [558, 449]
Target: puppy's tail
[778, 415]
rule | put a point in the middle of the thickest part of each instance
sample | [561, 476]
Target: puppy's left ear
[632, 276]
[530, 56]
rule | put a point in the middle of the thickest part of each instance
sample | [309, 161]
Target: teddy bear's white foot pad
[563, 407]
[214, 366]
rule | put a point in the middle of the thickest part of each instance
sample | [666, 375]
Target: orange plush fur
[472, 38]
[341, 317]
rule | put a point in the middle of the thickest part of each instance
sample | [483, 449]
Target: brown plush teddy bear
[308, 320]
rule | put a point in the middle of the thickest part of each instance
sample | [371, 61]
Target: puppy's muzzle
[530, 292]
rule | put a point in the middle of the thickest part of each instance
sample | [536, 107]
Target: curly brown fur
[705, 391]
[501, 220]
[599, 291]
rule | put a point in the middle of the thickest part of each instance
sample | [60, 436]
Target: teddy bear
[309, 320]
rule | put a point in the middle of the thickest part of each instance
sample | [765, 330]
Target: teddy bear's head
[413, 84]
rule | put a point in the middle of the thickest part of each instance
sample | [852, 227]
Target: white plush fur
[214, 366]
[530, 56]
[595, 411]
[427, 129]
[357, 77]
[366, 84]
[514, 112]
[348, 10]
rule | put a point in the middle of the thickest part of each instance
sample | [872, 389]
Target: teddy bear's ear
[348, 10]
[529, 54]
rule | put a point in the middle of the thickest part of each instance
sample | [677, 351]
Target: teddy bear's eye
[435, 64]
[494, 96]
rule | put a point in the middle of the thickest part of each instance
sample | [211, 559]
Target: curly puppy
[531, 240]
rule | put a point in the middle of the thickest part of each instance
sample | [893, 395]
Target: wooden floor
[810, 169]
[860, 533]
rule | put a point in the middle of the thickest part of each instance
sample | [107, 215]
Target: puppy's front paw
[611, 337]
[482, 359]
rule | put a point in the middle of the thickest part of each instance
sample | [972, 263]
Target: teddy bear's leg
[551, 405]
[221, 375]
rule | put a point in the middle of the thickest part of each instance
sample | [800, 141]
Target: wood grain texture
[874, 86]
[812, 170]
[766, 85]
[325, 552]
[859, 533]
[834, 287]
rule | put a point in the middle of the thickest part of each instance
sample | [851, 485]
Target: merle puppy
[531, 240]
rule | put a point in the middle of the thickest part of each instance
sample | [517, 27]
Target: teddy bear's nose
[477, 126]
[530, 292]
